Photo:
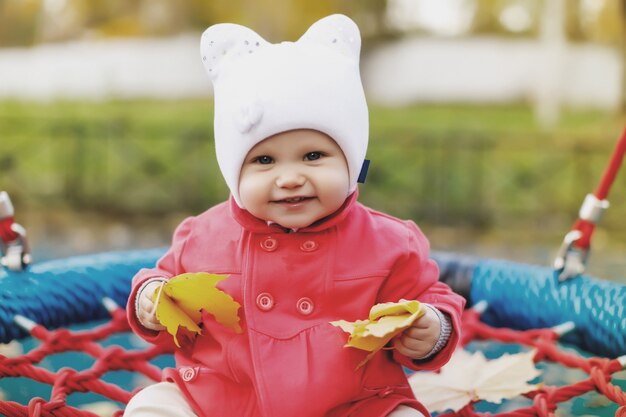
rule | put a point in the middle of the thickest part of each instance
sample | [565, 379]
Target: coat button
[269, 244]
[305, 306]
[265, 301]
[309, 246]
[188, 374]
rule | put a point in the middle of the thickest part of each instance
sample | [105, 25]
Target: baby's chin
[297, 223]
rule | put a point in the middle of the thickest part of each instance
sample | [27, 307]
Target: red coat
[289, 361]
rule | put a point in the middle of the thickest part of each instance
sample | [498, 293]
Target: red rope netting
[67, 381]
[546, 399]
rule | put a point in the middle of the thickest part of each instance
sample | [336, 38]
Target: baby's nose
[290, 179]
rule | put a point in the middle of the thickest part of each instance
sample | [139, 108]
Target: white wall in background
[152, 68]
[489, 70]
[420, 69]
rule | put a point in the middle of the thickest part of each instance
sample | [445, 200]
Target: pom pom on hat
[262, 89]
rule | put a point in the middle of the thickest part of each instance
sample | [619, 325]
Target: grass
[472, 176]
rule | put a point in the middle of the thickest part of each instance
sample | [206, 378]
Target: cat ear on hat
[337, 32]
[225, 41]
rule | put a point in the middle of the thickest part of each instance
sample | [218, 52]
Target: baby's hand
[146, 311]
[419, 340]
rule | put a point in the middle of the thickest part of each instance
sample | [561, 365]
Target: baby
[291, 133]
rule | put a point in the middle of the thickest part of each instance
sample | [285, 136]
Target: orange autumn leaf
[181, 300]
[385, 321]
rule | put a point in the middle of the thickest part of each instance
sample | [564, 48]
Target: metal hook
[14, 254]
[570, 260]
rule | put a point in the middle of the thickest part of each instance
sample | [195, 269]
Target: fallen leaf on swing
[470, 377]
[180, 301]
[385, 321]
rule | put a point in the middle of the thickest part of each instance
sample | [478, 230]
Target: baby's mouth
[293, 200]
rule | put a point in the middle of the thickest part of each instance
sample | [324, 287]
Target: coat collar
[254, 224]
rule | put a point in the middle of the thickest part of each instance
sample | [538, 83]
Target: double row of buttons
[265, 302]
[270, 244]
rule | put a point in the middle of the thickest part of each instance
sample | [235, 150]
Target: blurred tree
[485, 16]
[596, 21]
[18, 21]
[608, 24]
[286, 19]
[113, 18]
[507, 17]
[622, 14]
[24, 22]
[575, 20]
[552, 49]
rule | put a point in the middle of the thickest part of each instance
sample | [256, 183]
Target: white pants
[159, 400]
[165, 400]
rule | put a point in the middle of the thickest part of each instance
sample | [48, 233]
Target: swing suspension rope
[574, 251]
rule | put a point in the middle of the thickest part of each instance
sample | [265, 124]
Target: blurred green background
[493, 177]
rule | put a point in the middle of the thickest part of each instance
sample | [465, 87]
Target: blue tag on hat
[363, 173]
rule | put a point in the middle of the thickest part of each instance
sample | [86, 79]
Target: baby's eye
[313, 156]
[264, 159]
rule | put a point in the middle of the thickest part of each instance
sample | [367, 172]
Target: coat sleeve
[416, 277]
[167, 267]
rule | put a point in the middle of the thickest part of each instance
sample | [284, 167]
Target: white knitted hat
[262, 89]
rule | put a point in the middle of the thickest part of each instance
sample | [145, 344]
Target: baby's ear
[338, 32]
[225, 41]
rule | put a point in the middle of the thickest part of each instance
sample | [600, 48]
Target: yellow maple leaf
[470, 377]
[385, 321]
[180, 301]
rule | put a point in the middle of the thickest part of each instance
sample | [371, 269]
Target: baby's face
[294, 178]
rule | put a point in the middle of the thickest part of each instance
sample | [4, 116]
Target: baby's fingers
[157, 327]
[147, 314]
[415, 332]
[408, 346]
[146, 306]
[150, 321]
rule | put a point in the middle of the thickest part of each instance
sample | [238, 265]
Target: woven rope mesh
[67, 381]
[597, 373]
